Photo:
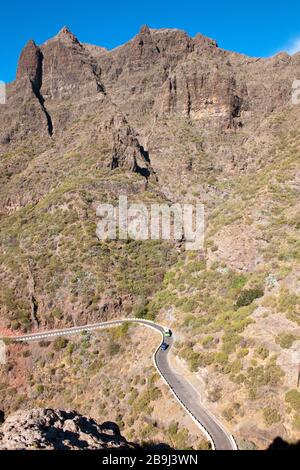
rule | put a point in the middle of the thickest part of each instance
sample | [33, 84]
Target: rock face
[174, 111]
[50, 429]
[30, 65]
[157, 75]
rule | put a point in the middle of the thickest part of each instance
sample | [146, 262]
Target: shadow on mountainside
[280, 444]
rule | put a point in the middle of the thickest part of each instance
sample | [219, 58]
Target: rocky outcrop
[30, 76]
[53, 429]
[158, 74]
[65, 35]
[127, 152]
[31, 64]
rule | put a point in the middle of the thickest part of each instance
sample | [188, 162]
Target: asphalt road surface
[184, 392]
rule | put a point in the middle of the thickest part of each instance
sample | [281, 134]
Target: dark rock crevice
[47, 115]
[32, 297]
[236, 106]
[36, 87]
[34, 310]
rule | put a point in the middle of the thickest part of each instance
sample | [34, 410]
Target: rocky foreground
[51, 429]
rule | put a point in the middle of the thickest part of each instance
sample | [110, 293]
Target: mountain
[162, 118]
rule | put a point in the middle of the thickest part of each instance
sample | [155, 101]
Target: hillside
[163, 118]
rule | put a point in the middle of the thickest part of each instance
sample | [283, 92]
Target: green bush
[187, 305]
[247, 296]
[228, 413]
[262, 352]
[173, 428]
[270, 374]
[142, 312]
[203, 445]
[293, 398]
[70, 348]
[296, 422]
[238, 282]
[230, 341]
[207, 342]
[57, 313]
[60, 343]
[141, 404]
[285, 340]
[113, 349]
[221, 358]
[271, 416]
[26, 353]
[287, 301]
[133, 396]
[39, 389]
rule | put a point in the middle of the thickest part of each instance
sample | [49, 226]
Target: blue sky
[256, 28]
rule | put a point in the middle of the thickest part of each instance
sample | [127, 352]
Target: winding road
[183, 391]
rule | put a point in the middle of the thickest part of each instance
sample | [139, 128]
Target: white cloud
[294, 46]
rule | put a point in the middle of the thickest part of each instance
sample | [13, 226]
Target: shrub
[238, 282]
[221, 358]
[141, 404]
[235, 367]
[230, 342]
[133, 396]
[287, 301]
[294, 317]
[173, 428]
[247, 296]
[203, 445]
[39, 389]
[169, 277]
[293, 398]
[262, 352]
[26, 353]
[187, 305]
[208, 341]
[242, 353]
[60, 343]
[113, 349]
[270, 374]
[70, 348]
[215, 394]
[57, 313]
[195, 266]
[285, 340]
[271, 416]
[120, 331]
[228, 413]
[180, 439]
[296, 422]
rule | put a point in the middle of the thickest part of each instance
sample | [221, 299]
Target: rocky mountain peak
[66, 35]
[143, 44]
[30, 64]
[144, 29]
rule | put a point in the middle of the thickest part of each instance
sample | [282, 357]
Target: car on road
[167, 332]
[164, 346]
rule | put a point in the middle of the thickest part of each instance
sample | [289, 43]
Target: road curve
[183, 391]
